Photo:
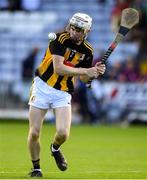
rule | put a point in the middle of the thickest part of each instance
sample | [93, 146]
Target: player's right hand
[101, 68]
[92, 73]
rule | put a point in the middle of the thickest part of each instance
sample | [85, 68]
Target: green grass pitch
[93, 152]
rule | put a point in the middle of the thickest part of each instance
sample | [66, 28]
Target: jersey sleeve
[56, 47]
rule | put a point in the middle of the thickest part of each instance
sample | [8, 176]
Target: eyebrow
[77, 28]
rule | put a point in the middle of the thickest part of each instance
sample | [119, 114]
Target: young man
[68, 56]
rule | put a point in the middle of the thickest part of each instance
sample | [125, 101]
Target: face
[76, 34]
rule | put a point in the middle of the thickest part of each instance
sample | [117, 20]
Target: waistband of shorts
[38, 75]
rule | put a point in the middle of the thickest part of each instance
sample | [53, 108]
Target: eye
[77, 29]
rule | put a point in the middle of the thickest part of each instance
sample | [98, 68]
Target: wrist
[83, 71]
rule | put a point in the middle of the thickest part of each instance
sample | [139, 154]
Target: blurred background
[120, 96]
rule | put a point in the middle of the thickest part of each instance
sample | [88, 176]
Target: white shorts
[44, 96]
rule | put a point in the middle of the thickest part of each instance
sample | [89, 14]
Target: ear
[67, 28]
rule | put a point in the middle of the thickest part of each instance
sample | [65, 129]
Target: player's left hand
[101, 68]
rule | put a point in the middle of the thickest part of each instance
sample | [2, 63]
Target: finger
[98, 63]
[101, 71]
[102, 66]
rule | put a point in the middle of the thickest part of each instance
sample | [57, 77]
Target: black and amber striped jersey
[74, 56]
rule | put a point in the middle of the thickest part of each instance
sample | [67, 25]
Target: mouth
[75, 39]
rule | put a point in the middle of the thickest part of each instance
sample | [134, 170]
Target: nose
[74, 32]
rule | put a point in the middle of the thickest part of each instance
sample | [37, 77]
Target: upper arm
[57, 50]
[57, 61]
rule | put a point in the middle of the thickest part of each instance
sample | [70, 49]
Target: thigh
[63, 118]
[36, 117]
[39, 94]
[60, 99]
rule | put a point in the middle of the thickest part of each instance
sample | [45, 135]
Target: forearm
[71, 71]
[61, 69]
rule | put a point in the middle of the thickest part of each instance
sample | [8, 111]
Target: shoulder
[61, 37]
[88, 46]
